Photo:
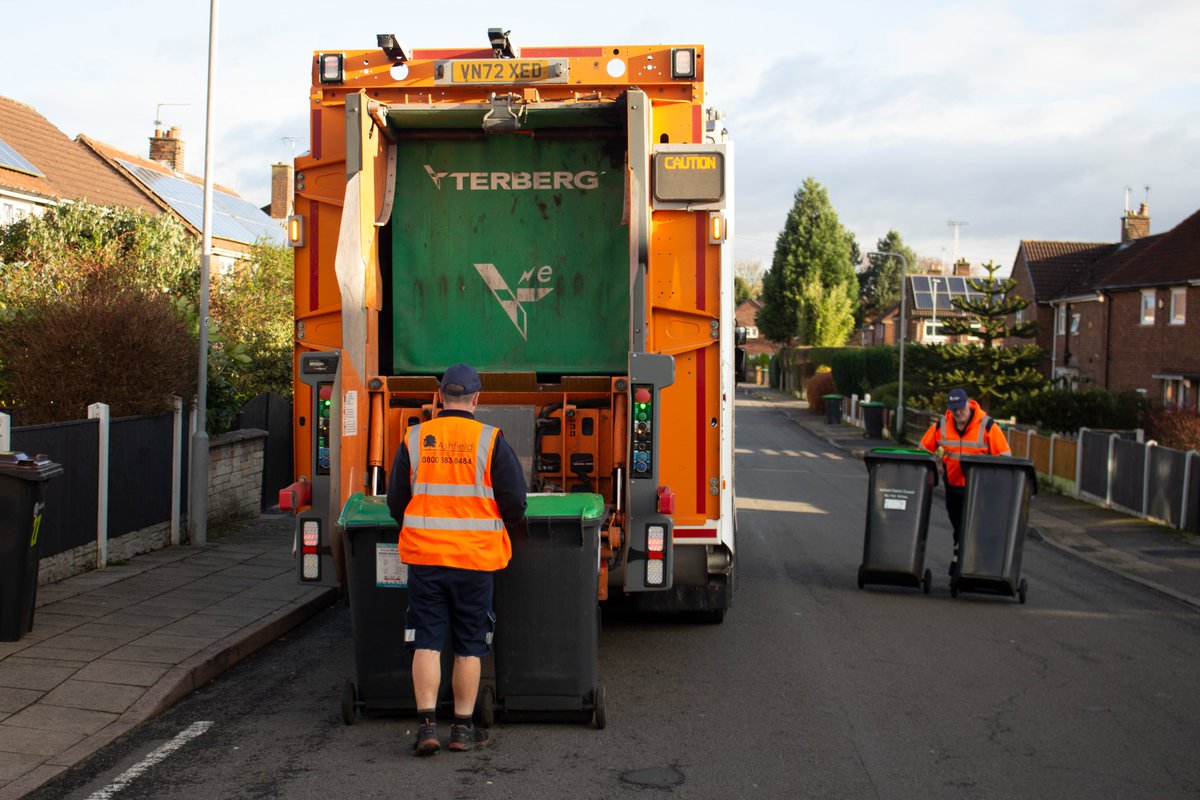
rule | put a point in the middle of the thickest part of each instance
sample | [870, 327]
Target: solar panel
[920, 283]
[233, 218]
[923, 300]
[10, 158]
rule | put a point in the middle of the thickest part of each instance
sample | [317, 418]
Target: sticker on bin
[390, 571]
[896, 499]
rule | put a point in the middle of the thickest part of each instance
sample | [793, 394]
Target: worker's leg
[427, 677]
[466, 684]
[424, 635]
[954, 509]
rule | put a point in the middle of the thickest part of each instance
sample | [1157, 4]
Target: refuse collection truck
[559, 218]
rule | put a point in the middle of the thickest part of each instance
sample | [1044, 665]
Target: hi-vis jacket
[452, 518]
[982, 437]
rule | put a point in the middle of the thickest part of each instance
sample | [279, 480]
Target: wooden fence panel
[1064, 459]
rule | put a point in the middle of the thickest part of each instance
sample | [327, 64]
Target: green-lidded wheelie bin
[899, 494]
[377, 585]
[547, 613]
[872, 414]
[23, 481]
[995, 516]
[833, 408]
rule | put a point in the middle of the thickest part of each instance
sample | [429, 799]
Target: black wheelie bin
[872, 414]
[377, 585]
[833, 408]
[995, 516]
[22, 501]
[899, 493]
[547, 614]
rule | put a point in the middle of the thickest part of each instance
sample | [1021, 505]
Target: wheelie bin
[872, 420]
[547, 614]
[833, 408]
[900, 491]
[22, 501]
[377, 585]
[995, 516]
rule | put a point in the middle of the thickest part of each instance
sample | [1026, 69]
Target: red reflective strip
[697, 125]
[695, 533]
[315, 145]
[656, 556]
[701, 429]
[314, 255]
[701, 253]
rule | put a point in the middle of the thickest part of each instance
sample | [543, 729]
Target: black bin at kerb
[872, 414]
[23, 481]
[995, 517]
[833, 408]
[899, 494]
[547, 613]
[377, 585]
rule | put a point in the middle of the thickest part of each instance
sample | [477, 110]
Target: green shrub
[857, 369]
[1176, 428]
[818, 386]
[1063, 411]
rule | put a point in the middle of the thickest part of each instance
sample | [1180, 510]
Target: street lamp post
[903, 330]
[198, 478]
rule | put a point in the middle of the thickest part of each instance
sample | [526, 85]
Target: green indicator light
[642, 416]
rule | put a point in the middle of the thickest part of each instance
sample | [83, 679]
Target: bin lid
[918, 454]
[831, 396]
[1012, 462]
[575, 505]
[361, 511]
[31, 468]
[871, 404]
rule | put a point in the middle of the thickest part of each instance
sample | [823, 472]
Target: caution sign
[691, 176]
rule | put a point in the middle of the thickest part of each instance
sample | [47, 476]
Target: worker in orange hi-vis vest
[964, 430]
[457, 486]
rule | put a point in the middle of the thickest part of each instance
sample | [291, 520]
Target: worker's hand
[941, 452]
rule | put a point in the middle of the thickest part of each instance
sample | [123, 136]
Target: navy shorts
[445, 597]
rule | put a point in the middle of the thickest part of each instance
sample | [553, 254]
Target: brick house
[1114, 316]
[927, 306]
[746, 315]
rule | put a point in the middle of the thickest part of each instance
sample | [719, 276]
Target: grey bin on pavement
[872, 420]
[377, 585]
[547, 613]
[899, 493]
[995, 517]
[22, 502]
[833, 408]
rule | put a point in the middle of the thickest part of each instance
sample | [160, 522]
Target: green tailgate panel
[509, 254]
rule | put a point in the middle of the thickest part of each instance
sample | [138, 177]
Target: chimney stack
[1135, 225]
[282, 183]
[962, 267]
[167, 148]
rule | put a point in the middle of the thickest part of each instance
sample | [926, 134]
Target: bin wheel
[349, 702]
[954, 586]
[600, 717]
[487, 707]
[1022, 588]
[927, 581]
[861, 582]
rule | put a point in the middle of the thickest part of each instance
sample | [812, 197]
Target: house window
[752, 332]
[933, 331]
[1075, 324]
[1178, 306]
[1020, 315]
[1060, 319]
[1175, 392]
[1148, 306]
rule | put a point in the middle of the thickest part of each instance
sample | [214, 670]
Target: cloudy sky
[1021, 120]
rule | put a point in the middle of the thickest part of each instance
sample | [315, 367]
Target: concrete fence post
[1112, 447]
[1187, 489]
[176, 463]
[1029, 443]
[100, 413]
[5, 432]
[1053, 439]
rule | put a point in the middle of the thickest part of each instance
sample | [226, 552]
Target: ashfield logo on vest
[451, 452]
[547, 180]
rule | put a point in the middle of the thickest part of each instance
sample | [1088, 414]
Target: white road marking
[794, 506]
[130, 775]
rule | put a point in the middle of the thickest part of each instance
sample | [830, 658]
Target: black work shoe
[464, 738]
[427, 740]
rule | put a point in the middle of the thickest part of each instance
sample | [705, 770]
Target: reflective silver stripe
[481, 450]
[453, 490]
[452, 523]
[960, 442]
[414, 454]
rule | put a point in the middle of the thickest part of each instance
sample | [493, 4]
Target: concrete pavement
[112, 648]
[1153, 555]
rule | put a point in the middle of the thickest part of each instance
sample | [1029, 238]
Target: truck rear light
[654, 571]
[295, 231]
[656, 538]
[312, 535]
[310, 557]
[643, 432]
[310, 569]
[330, 67]
[716, 227]
[683, 62]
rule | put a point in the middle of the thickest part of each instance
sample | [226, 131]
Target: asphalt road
[811, 687]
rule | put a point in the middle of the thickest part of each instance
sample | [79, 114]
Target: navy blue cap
[460, 380]
[956, 399]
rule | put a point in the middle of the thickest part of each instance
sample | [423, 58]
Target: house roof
[1090, 279]
[1055, 265]
[236, 222]
[68, 170]
[1168, 258]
